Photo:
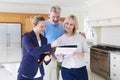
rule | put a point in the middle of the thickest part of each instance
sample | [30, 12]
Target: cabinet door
[114, 66]
[94, 60]
[104, 62]
[27, 27]
[3, 18]
[14, 42]
[94, 64]
[3, 43]
[14, 18]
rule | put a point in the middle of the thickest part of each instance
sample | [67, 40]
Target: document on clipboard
[66, 49]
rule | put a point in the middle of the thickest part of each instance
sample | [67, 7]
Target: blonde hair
[55, 8]
[35, 19]
[74, 18]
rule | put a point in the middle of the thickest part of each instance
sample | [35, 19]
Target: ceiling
[64, 3]
[42, 6]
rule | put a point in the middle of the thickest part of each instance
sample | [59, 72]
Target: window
[87, 29]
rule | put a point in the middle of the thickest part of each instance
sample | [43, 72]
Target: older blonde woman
[73, 65]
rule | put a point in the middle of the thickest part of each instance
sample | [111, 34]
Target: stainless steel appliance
[101, 61]
[10, 42]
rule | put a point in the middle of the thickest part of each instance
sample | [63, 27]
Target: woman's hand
[47, 58]
[81, 55]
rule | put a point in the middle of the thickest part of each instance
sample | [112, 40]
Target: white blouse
[38, 72]
[70, 61]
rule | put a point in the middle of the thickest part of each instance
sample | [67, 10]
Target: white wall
[106, 16]
[107, 35]
[104, 10]
[110, 35]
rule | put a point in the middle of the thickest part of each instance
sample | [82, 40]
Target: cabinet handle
[9, 40]
[114, 74]
[7, 43]
[114, 57]
[103, 55]
[114, 65]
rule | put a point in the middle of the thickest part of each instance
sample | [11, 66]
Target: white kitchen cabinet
[10, 42]
[114, 65]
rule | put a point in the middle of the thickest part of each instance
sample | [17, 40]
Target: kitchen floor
[8, 71]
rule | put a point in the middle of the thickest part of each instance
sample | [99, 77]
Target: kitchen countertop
[107, 47]
[115, 46]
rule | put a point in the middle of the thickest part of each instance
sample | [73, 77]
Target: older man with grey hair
[54, 29]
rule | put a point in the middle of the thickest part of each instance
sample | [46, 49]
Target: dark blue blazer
[31, 54]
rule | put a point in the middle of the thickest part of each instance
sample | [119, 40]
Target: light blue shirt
[52, 32]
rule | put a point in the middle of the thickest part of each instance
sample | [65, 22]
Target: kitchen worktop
[107, 47]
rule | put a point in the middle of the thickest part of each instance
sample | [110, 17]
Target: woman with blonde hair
[73, 65]
[34, 47]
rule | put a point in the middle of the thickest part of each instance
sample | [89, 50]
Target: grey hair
[55, 8]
